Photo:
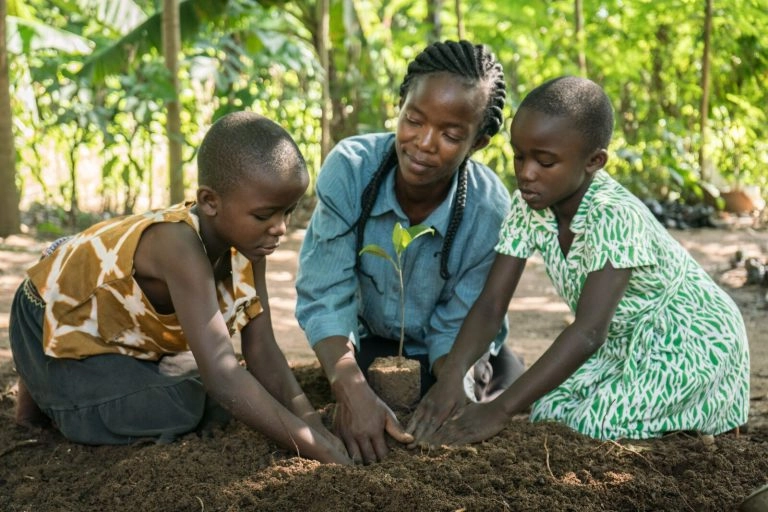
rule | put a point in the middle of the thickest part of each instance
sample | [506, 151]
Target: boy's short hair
[241, 142]
[582, 101]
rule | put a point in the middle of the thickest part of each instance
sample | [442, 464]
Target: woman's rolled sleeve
[326, 283]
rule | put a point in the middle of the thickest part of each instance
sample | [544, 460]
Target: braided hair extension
[367, 200]
[475, 63]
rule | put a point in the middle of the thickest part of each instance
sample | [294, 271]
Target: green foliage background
[88, 84]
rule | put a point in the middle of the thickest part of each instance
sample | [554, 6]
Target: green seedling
[401, 239]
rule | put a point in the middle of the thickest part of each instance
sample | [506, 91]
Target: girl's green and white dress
[676, 356]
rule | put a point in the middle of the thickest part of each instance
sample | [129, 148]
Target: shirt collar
[546, 217]
[577, 224]
[438, 219]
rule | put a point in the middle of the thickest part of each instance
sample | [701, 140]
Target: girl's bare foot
[28, 414]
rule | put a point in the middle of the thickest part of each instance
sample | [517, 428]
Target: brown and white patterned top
[94, 306]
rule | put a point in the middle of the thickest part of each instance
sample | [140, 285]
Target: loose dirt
[526, 467]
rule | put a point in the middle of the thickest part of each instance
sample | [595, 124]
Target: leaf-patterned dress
[676, 356]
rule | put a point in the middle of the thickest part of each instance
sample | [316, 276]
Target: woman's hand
[362, 419]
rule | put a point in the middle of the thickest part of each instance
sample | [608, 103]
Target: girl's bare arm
[476, 333]
[597, 304]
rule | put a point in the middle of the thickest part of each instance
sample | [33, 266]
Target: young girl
[451, 104]
[656, 345]
[100, 329]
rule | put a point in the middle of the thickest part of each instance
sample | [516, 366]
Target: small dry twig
[20, 444]
[549, 468]
[636, 451]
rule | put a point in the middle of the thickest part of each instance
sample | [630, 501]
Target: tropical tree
[171, 47]
[704, 110]
[327, 69]
[9, 194]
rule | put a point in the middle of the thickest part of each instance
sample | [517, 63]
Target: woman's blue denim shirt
[335, 300]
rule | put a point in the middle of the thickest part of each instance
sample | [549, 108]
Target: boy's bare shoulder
[169, 235]
[168, 244]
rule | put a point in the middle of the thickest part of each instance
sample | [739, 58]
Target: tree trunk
[323, 52]
[459, 20]
[9, 194]
[433, 14]
[704, 111]
[580, 37]
[171, 47]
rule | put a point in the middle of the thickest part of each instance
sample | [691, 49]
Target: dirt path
[526, 467]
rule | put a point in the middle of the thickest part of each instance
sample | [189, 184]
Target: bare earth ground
[526, 467]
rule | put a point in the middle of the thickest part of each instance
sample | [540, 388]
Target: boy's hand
[443, 400]
[337, 444]
[301, 407]
[361, 421]
[336, 452]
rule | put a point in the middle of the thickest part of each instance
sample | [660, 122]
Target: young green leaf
[418, 230]
[402, 237]
[376, 251]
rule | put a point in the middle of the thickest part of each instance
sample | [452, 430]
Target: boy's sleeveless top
[94, 306]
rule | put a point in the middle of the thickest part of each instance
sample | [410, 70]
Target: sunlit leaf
[400, 238]
[26, 35]
[121, 15]
[376, 251]
[115, 58]
[420, 230]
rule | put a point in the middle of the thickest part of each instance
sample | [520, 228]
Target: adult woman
[451, 102]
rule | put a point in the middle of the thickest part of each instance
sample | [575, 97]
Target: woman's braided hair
[475, 63]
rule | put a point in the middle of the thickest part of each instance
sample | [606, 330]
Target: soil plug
[397, 380]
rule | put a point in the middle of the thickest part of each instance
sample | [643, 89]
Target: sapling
[401, 239]
[397, 380]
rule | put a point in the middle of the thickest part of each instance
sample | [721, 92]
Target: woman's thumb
[394, 429]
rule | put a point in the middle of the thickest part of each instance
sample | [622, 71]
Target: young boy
[97, 325]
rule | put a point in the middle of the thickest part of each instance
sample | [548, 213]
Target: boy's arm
[176, 256]
[267, 363]
[601, 294]
[479, 328]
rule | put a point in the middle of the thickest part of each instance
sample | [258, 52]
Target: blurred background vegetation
[103, 102]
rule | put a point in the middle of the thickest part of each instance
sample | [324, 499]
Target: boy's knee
[161, 413]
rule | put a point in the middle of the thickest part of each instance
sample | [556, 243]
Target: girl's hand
[444, 399]
[474, 423]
